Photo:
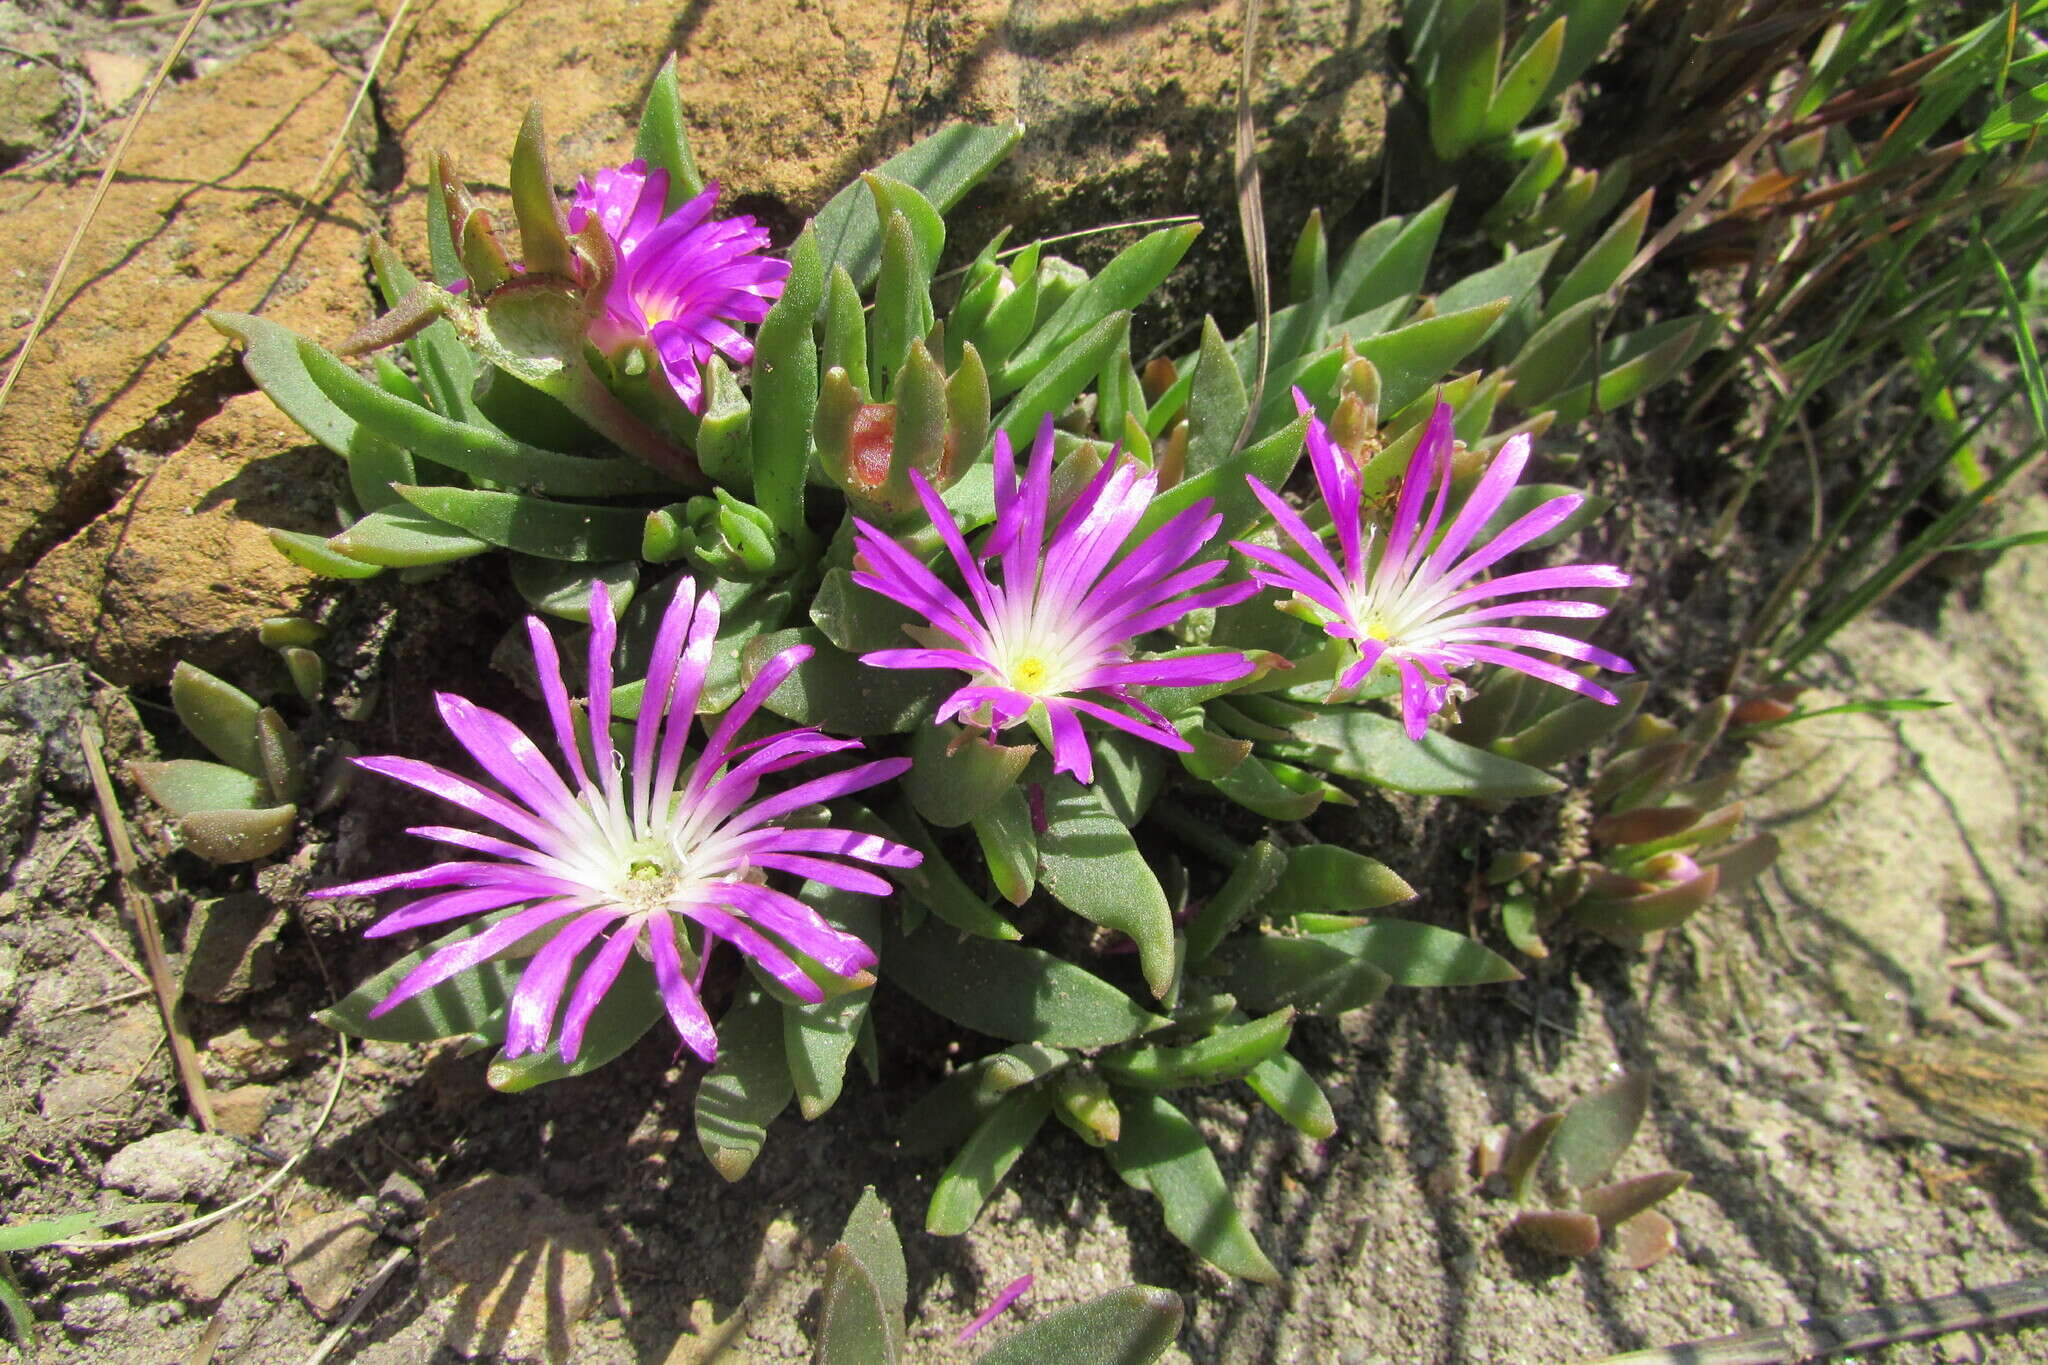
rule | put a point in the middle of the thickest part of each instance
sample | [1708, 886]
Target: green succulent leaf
[1632, 366]
[219, 715]
[1089, 861]
[855, 619]
[1590, 26]
[1413, 954]
[1289, 1091]
[972, 1176]
[835, 690]
[1270, 972]
[1598, 1128]
[941, 167]
[1463, 80]
[237, 836]
[1389, 261]
[1126, 282]
[950, 1111]
[940, 889]
[1257, 785]
[622, 1018]
[1133, 1325]
[1326, 877]
[313, 553]
[1247, 887]
[1009, 845]
[855, 1326]
[1217, 403]
[956, 775]
[1521, 89]
[1270, 460]
[1009, 991]
[406, 538]
[786, 391]
[535, 526]
[750, 1085]
[184, 785]
[664, 143]
[1057, 383]
[561, 588]
[870, 1234]
[1161, 1153]
[1572, 729]
[1596, 271]
[468, 1003]
[1369, 747]
[1226, 1054]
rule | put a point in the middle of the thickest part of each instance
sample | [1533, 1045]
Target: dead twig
[121, 999]
[1816, 1337]
[1251, 217]
[179, 15]
[120, 958]
[356, 1305]
[99, 193]
[263, 1191]
[143, 913]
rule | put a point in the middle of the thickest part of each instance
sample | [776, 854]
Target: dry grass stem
[99, 193]
[147, 931]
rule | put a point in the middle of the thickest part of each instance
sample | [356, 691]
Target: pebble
[98, 1312]
[327, 1256]
[178, 1165]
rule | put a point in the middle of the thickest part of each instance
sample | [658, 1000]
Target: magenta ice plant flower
[1052, 613]
[659, 852]
[1413, 600]
[684, 278]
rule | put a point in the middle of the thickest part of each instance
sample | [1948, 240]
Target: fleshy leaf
[535, 526]
[1241, 893]
[940, 889]
[836, 691]
[184, 785]
[1009, 991]
[972, 1176]
[1161, 1153]
[219, 715]
[1289, 1091]
[1326, 877]
[237, 836]
[1267, 972]
[1088, 860]
[1598, 1128]
[955, 775]
[405, 538]
[1369, 747]
[1413, 954]
[1561, 1232]
[1617, 1203]
[468, 1003]
[1133, 1325]
[628, 1010]
[854, 1325]
[1225, 1054]
[741, 1095]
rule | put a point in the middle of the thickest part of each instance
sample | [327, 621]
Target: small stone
[176, 1166]
[326, 1257]
[242, 1111]
[528, 1267]
[202, 1269]
[33, 102]
[115, 76]
[402, 1193]
[98, 1312]
[256, 1052]
[231, 947]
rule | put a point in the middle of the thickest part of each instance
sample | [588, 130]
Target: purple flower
[1062, 619]
[1414, 599]
[683, 279]
[657, 855]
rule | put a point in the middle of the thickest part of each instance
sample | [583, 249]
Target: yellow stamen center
[1030, 675]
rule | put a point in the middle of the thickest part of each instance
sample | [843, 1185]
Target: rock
[114, 1050]
[231, 947]
[242, 1111]
[525, 1267]
[183, 568]
[176, 1166]
[1125, 117]
[261, 1050]
[202, 1269]
[115, 75]
[21, 758]
[33, 108]
[97, 1312]
[197, 220]
[326, 1258]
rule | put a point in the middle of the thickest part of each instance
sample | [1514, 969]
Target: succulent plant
[866, 1288]
[1664, 838]
[1559, 1170]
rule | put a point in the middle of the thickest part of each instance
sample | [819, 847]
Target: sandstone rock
[203, 1268]
[1127, 114]
[526, 1268]
[326, 1257]
[115, 75]
[182, 567]
[242, 1111]
[176, 1165]
[197, 220]
[230, 947]
[120, 1046]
